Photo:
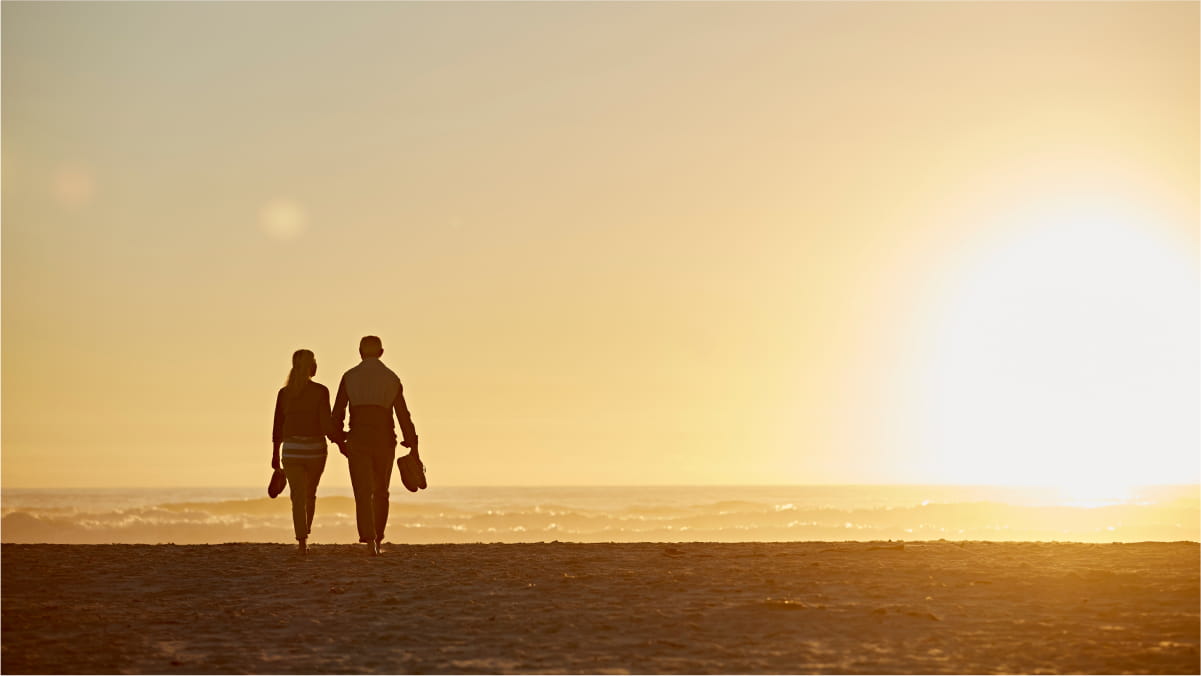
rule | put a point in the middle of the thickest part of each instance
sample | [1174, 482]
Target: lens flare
[74, 185]
[283, 219]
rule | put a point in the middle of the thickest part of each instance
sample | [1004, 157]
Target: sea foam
[601, 514]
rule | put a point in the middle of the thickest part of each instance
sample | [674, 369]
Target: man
[373, 393]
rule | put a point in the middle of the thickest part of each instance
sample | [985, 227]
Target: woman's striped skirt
[303, 448]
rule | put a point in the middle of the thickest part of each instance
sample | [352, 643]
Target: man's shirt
[373, 392]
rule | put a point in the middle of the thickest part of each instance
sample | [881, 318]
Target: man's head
[371, 347]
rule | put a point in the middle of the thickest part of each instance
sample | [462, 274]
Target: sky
[607, 243]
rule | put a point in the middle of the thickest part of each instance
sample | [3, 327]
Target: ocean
[609, 514]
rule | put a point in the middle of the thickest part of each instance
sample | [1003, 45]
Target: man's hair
[371, 346]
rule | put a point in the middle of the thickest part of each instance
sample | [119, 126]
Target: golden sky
[608, 243]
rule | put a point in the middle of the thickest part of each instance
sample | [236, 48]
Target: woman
[302, 423]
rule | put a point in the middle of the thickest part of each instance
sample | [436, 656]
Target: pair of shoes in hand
[412, 472]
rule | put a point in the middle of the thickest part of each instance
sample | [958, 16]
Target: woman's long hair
[304, 367]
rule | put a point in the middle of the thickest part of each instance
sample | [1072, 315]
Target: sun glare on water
[1095, 494]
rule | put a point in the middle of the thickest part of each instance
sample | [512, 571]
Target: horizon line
[1196, 484]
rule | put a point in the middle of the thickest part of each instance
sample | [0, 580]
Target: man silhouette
[373, 393]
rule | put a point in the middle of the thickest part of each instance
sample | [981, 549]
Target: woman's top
[304, 415]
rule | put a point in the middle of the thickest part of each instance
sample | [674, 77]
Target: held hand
[275, 462]
[342, 448]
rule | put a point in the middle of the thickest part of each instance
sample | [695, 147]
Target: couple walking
[303, 421]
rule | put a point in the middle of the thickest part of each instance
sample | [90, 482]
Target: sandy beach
[810, 607]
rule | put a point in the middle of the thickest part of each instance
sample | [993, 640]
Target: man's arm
[407, 430]
[338, 416]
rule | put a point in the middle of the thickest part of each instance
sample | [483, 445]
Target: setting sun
[1062, 353]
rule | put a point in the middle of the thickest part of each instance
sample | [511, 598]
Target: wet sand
[809, 607]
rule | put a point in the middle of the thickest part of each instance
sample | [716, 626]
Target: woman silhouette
[302, 424]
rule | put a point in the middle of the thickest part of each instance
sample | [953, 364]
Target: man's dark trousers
[371, 457]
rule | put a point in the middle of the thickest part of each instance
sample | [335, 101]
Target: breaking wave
[454, 515]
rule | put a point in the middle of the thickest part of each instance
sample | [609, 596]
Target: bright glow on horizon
[1065, 356]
